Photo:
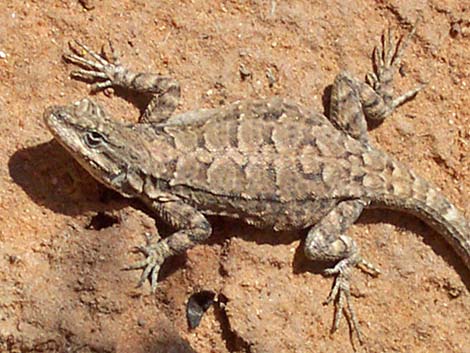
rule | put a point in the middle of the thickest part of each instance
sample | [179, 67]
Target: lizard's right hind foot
[386, 60]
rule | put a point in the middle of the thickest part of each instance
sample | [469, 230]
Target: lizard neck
[407, 191]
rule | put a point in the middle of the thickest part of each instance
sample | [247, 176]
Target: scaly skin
[267, 162]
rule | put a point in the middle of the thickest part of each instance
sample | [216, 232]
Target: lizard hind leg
[386, 60]
[326, 242]
[354, 103]
[346, 107]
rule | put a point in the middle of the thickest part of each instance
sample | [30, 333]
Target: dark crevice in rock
[233, 342]
[101, 221]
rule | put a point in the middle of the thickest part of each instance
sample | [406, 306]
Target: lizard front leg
[326, 242]
[192, 228]
[164, 91]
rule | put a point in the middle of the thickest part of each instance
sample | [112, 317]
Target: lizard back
[267, 162]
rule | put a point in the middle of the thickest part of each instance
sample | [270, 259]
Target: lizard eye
[62, 115]
[93, 139]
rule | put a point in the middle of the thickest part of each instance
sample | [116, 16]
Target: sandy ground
[64, 238]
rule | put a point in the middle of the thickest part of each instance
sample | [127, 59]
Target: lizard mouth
[50, 117]
[57, 120]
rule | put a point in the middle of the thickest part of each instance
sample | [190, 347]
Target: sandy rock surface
[64, 238]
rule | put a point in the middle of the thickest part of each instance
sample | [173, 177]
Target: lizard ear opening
[93, 139]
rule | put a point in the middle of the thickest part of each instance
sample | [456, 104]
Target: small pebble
[244, 72]
[455, 30]
[87, 4]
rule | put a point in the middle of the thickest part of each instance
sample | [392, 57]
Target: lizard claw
[113, 54]
[340, 293]
[386, 60]
[97, 67]
[387, 55]
[156, 254]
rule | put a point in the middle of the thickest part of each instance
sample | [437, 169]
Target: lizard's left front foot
[340, 293]
[156, 251]
[98, 67]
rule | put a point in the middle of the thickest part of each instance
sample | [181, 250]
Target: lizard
[269, 162]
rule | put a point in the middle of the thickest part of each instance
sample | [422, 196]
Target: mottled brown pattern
[268, 162]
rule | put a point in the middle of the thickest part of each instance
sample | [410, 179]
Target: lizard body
[270, 163]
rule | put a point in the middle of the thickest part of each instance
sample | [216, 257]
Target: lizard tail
[407, 191]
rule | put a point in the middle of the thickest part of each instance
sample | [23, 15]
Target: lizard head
[106, 148]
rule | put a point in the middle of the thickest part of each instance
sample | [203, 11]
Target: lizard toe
[340, 295]
[155, 255]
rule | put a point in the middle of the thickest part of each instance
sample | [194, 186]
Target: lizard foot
[156, 251]
[340, 293]
[108, 70]
[386, 59]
